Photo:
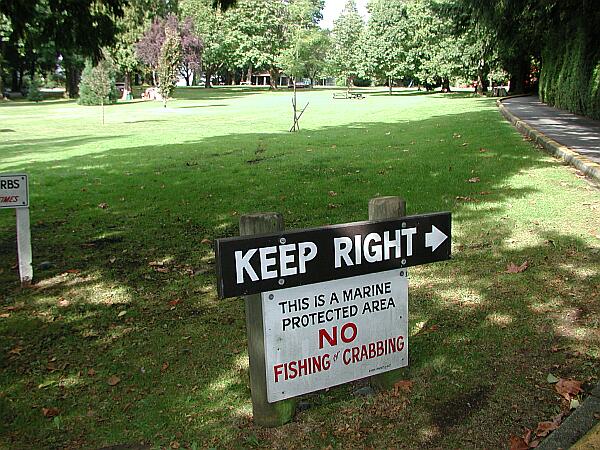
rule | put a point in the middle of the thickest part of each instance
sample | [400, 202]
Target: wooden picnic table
[350, 95]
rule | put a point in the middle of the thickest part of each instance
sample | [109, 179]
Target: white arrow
[435, 238]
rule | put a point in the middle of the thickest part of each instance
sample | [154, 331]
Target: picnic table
[350, 95]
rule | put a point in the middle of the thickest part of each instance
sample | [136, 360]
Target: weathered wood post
[382, 208]
[265, 414]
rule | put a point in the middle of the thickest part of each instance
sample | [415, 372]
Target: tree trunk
[518, 77]
[154, 83]
[445, 85]
[102, 103]
[249, 75]
[73, 76]
[14, 81]
[127, 86]
[390, 84]
[274, 75]
[208, 75]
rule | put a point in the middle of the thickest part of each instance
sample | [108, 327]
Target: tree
[216, 36]
[169, 63]
[150, 46]
[73, 27]
[191, 47]
[98, 85]
[387, 39]
[346, 37]
[258, 29]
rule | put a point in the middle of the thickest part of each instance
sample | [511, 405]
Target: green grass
[131, 287]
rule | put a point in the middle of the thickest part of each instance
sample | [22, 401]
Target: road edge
[585, 165]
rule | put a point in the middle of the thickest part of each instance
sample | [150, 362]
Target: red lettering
[278, 371]
[331, 339]
[354, 331]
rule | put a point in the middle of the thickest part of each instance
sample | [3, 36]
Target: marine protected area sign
[333, 332]
[14, 191]
[253, 264]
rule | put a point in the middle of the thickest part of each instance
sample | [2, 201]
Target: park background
[122, 341]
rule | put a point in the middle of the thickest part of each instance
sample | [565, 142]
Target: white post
[24, 246]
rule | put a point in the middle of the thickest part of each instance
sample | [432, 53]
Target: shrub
[33, 92]
[98, 84]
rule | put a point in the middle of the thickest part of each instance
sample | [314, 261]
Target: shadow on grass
[132, 290]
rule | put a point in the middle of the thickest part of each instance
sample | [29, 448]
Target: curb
[585, 165]
[577, 425]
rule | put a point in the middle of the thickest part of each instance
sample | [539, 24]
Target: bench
[350, 95]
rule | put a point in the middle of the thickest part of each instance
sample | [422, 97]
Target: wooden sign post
[14, 194]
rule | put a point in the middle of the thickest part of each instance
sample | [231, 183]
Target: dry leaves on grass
[568, 388]
[402, 386]
[523, 442]
[113, 380]
[474, 180]
[513, 268]
[50, 412]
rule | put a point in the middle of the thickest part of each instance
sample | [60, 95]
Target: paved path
[576, 132]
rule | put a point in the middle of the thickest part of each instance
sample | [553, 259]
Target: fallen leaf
[91, 372]
[156, 263]
[122, 313]
[544, 428]
[518, 443]
[63, 303]
[332, 193]
[16, 351]
[332, 206]
[162, 269]
[474, 180]
[206, 241]
[483, 150]
[551, 379]
[103, 205]
[112, 260]
[50, 412]
[513, 268]
[164, 367]
[574, 403]
[175, 302]
[72, 271]
[113, 380]
[402, 386]
[4, 315]
[175, 444]
[568, 388]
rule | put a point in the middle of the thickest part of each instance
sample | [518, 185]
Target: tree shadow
[132, 289]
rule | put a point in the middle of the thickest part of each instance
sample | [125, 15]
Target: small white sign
[14, 191]
[324, 334]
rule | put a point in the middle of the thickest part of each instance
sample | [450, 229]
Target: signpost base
[265, 414]
[382, 208]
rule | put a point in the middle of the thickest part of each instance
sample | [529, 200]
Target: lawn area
[122, 339]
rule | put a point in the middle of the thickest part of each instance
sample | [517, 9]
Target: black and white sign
[249, 265]
[14, 191]
[330, 333]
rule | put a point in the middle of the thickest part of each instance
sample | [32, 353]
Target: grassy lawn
[122, 340]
